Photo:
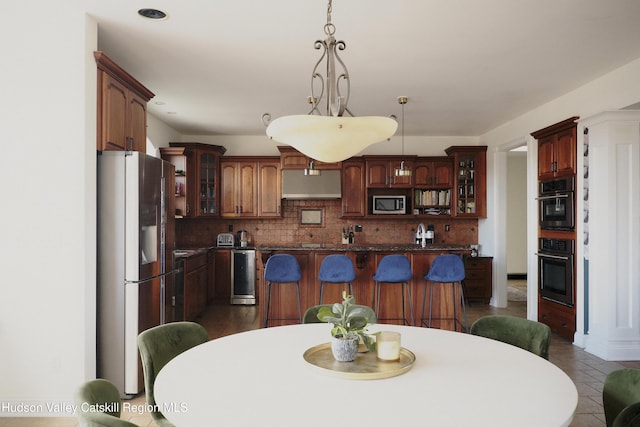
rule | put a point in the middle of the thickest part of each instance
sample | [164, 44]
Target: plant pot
[345, 348]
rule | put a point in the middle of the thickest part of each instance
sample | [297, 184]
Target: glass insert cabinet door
[208, 168]
[466, 185]
[469, 190]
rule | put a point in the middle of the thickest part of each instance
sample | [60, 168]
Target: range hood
[297, 185]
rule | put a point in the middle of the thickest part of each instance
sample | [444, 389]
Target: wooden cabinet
[269, 190]
[194, 286]
[470, 188]
[477, 283]
[222, 266]
[380, 172]
[122, 108]
[197, 176]
[433, 172]
[238, 178]
[557, 149]
[251, 187]
[561, 319]
[354, 189]
[290, 158]
[178, 158]
[433, 180]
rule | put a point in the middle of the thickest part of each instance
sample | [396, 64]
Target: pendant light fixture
[334, 136]
[402, 171]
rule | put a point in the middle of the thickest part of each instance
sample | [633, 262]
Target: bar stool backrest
[446, 268]
[393, 269]
[336, 268]
[282, 268]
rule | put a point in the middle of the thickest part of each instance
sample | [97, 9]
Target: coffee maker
[242, 237]
[430, 234]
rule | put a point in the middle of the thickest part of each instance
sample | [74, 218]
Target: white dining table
[260, 378]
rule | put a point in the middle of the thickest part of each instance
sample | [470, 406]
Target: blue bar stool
[282, 268]
[445, 269]
[336, 269]
[394, 269]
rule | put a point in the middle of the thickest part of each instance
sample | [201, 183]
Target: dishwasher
[243, 276]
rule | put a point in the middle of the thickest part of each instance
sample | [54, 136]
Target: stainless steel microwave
[389, 205]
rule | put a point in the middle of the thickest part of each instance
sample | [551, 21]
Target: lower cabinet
[222, 286]
[194, 286]
[477, 281]
[561, 319]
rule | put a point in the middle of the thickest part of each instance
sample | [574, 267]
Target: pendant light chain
[329, 28]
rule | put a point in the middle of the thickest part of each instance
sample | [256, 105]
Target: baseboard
[517, 276]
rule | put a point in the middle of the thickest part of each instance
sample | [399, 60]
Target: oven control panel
[556, 245]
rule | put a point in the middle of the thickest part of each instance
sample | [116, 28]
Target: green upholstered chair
[99, 394]
[629, 417]
[526, 334]
[621, 397]
[311, 314]
[160, 344]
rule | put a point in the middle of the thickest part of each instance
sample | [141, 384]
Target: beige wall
[517, 213]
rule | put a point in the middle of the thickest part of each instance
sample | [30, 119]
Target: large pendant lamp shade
[331, 139]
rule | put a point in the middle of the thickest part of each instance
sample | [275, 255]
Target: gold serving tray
[366, 366]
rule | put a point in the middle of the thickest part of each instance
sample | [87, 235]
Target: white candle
[388, 345]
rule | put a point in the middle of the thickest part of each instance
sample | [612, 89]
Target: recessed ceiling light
[152, 14]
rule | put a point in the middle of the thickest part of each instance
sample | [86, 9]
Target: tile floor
[587, 371]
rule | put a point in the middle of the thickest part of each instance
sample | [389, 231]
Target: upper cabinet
[469, 176]
[381, 171]
[269, 187]
[557, 149]
[122, 108]
[239, 180]
[433, 172]
[433, 180]
[290, 158]
[353, 188]
[251, 187]
[197, 175]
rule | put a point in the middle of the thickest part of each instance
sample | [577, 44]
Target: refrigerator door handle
[149, 279]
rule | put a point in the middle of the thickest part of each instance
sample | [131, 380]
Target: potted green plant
[349, 327]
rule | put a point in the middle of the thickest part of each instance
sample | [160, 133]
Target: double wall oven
[556, 202]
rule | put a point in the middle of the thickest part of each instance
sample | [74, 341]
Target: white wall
[159, 134]
[47, 220]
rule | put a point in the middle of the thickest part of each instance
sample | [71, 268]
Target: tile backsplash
[289, 230]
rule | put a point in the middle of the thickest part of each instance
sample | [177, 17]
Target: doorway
[516, 232]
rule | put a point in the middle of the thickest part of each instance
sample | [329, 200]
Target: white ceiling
[467, 66]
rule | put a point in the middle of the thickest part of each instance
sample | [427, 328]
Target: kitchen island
[365, 260]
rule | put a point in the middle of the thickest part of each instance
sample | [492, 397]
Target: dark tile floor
[587, 371]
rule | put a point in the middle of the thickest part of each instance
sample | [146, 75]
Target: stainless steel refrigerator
[136, 239]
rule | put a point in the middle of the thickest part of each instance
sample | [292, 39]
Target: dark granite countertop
[361, 248]
[398, 247]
